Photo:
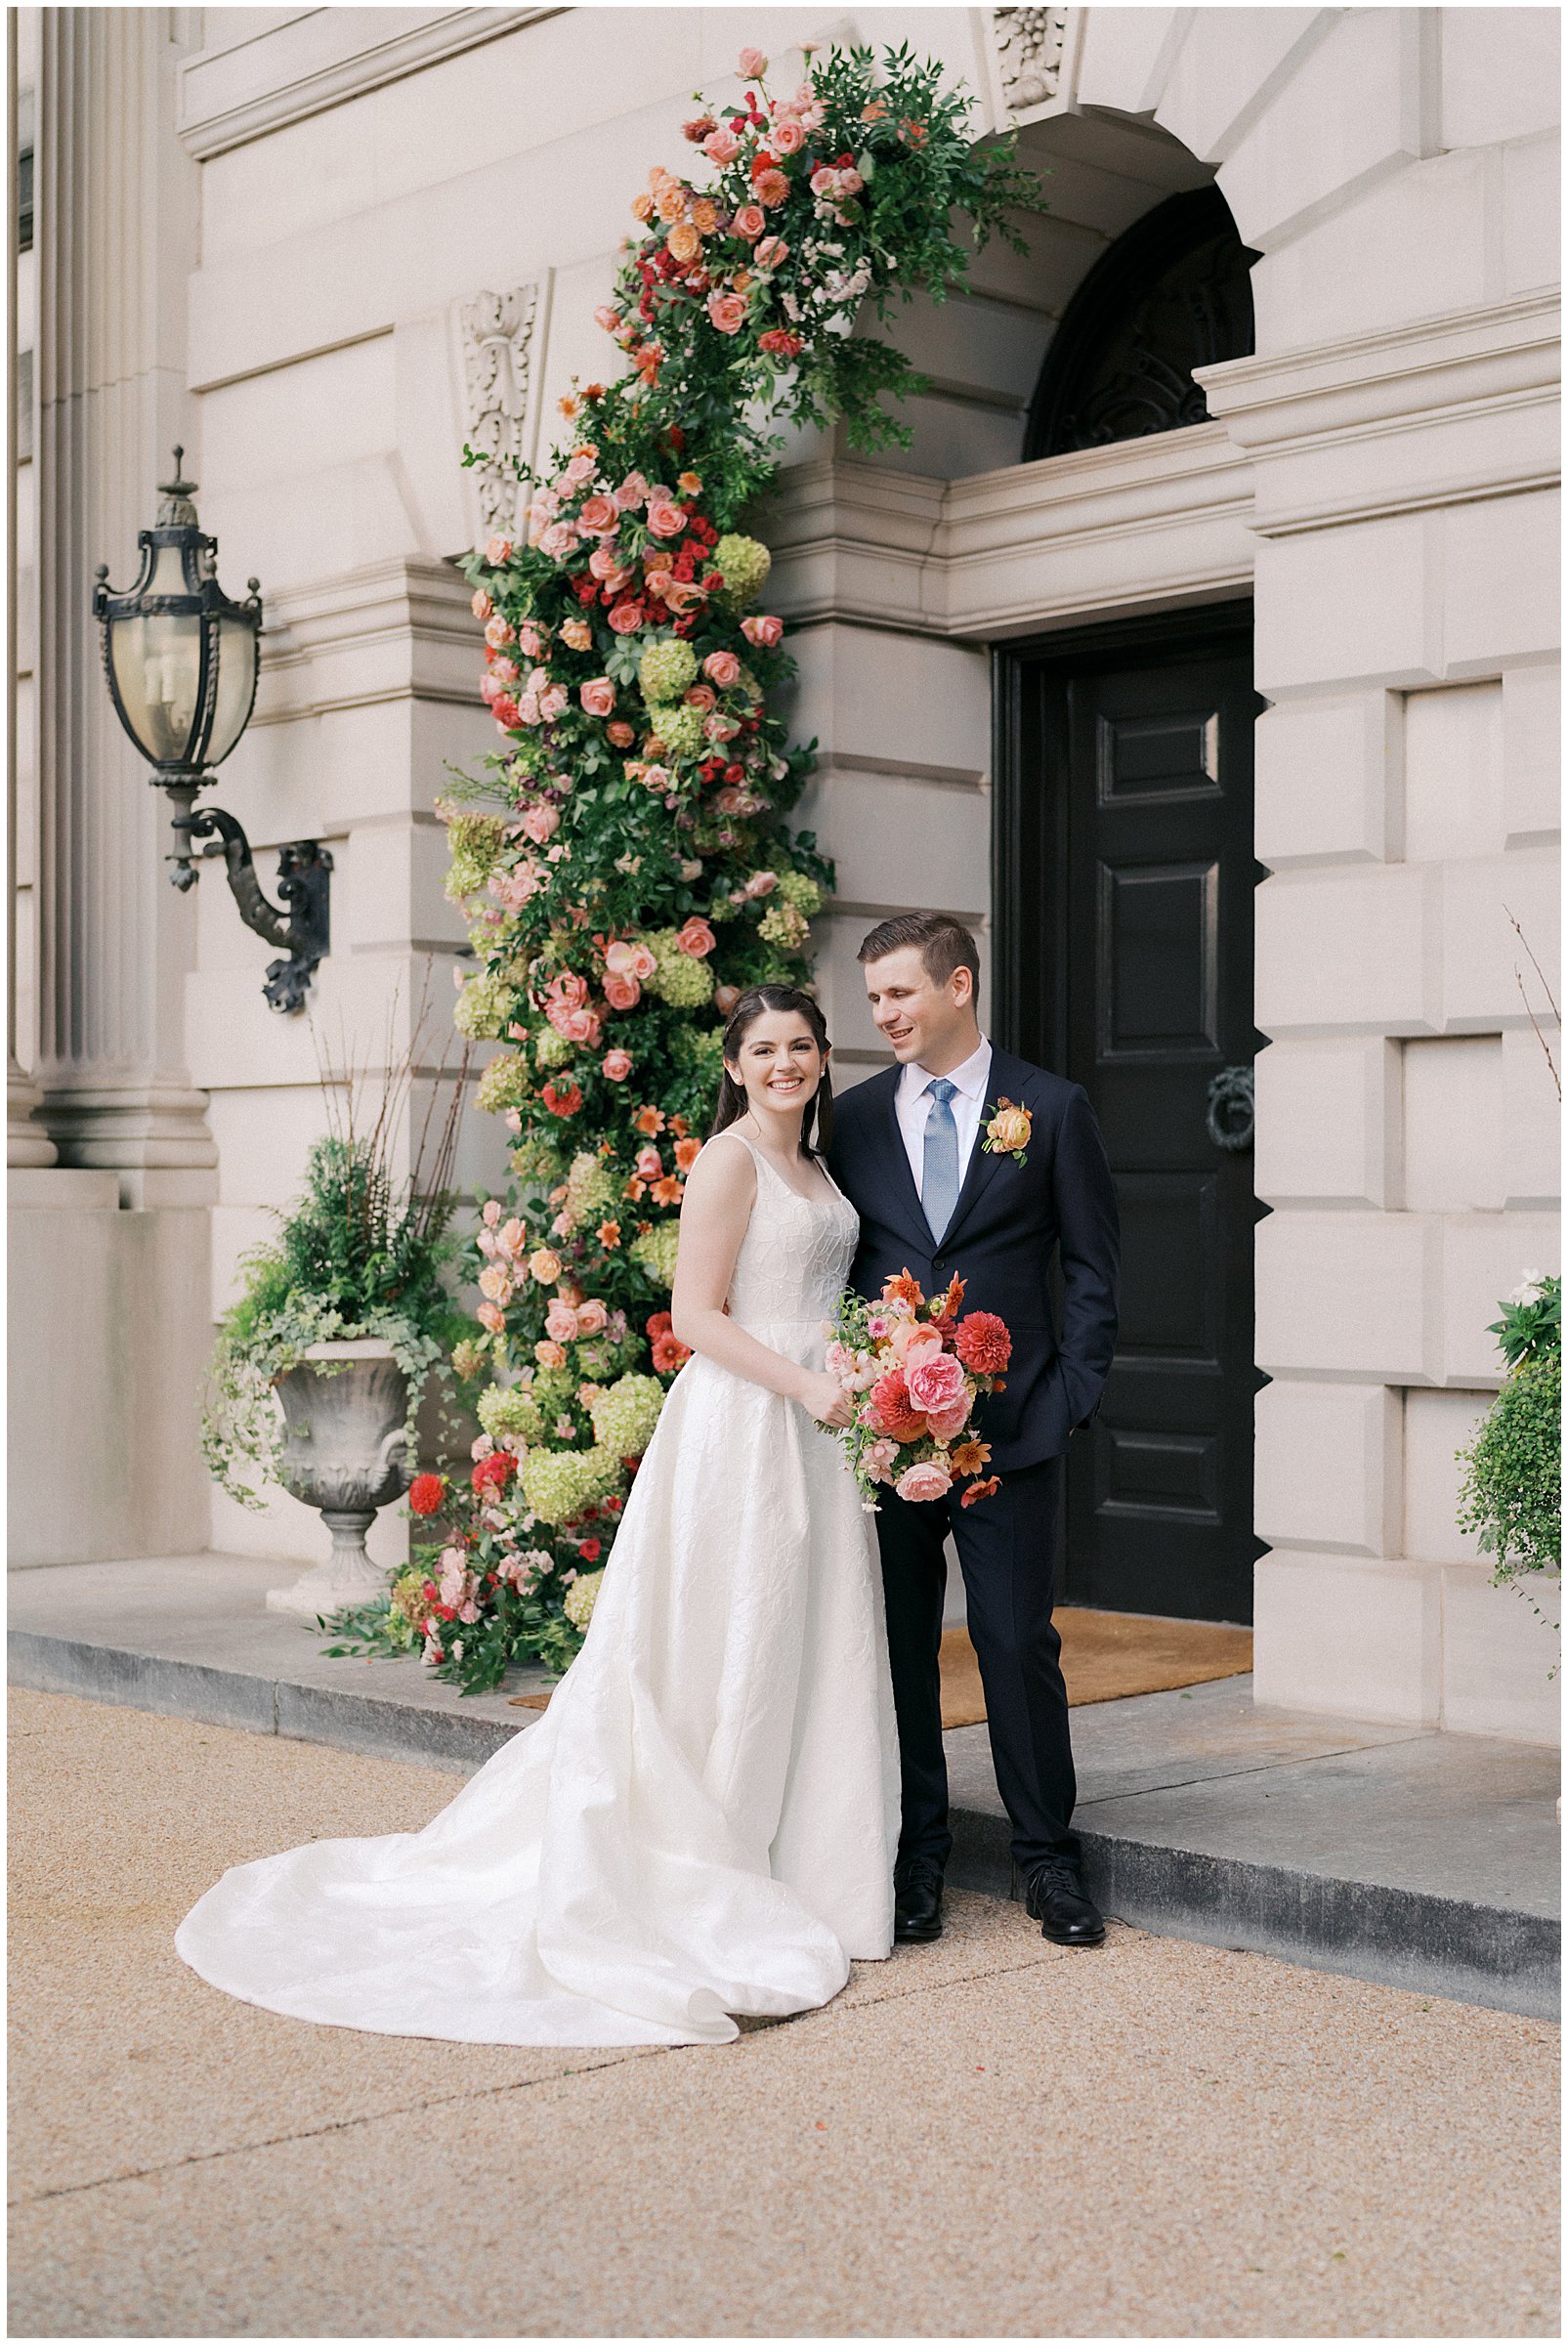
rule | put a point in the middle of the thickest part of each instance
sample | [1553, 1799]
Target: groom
[909, 1151]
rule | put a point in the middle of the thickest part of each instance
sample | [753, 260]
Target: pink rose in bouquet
[915, 1371]
[936, 1380]
[923, 1480]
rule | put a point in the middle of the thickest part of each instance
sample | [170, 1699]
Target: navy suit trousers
[1007, 1552]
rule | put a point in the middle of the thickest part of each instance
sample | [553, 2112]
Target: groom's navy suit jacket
[1008, 1223]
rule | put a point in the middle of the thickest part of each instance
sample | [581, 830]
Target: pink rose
[615, 1065]
[626, 617]
[761, 883]
[622, 992]
[553, 703]
[876, 1456]
[491, 1212]
[599, 516]
[558, 541]
[655, 777]
[722, 668]
[650, 1165]
[498, 551]
[721, 147]
[936, 1379]
[540, 824]
[491, 689]
[946, 1423]
[771, 253]
[727, 311]
[786, 136]
[561, 1322]
[765, 633]
[664, 517]
[919, 1484]
[491, 1315]
[632, 492]
[480, 603]
[642, 964]
[604, 563]
[581, 468]
[698, 939]
[608, 317]
[750, 221]
[598, 697]
[751, 65]
[570, 987]
[592, 1317]
[497, 634]
[525, 711]
[530, 640]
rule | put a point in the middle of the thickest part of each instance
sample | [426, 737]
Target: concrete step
[1389, 1852]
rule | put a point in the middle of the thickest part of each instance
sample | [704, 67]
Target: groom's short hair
[943, 942]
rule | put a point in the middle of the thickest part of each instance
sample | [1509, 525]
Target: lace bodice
[794, 1259]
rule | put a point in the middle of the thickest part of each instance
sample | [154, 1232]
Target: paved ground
[988, 2137]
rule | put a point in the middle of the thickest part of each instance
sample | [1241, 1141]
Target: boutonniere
[1007, 1133]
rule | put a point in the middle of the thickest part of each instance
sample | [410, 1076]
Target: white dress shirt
[913, 1106]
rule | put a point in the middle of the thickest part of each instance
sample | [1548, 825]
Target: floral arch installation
[1172, 294]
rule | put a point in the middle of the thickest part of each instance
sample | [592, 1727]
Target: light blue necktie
[939, 1170]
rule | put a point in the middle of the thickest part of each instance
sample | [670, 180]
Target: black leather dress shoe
[1056, 1900]
[917, 1901]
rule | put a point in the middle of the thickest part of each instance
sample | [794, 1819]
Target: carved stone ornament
[497, 340]
[1030, 45]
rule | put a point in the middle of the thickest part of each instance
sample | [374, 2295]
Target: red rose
[983, 1343]
[426, 1495]
[494, 1472]
[590, 1550]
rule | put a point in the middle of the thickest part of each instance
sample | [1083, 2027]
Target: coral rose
[577, 634]
[540, 824]
[722, 668]
[606, 565]
[765, 633]
[626, 617]
[921, 1483]
[935, 1381]
[721, 147]
[666, 518]
[650, 1163]
[948, 1424]
[983, 1342]
[727, 311]
[683, 241]
[491, 1318]
[623, 993]
[550, 1354]
[615, 1065]
[697, 938]
[621, 734]
[497, 550]
[771, 253]
[544, 1267]
[480, 604]
[561, 1322]
[787, 136]
[600, 515]
[750, 221]
[598, 696]
[1009, 1129]
[592, 1317]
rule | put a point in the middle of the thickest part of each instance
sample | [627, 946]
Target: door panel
[1125, 879]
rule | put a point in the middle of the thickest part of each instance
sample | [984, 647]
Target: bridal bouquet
[916, 1370]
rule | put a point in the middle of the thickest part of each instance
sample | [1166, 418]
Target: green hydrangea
[783, 924]
[680, 980]
[537, 1160]
[591, 1188]
[475, 842]
[680, 728]
[558, 1485]
[699, 1052]
[625, 1413]
[656, 1251]
[580, 1598]
[552, 1050]
[485, 1007]
[504, 1083]
[508, 1411]
[745, 563]
[666, 671]
[801, 890]
[554, 1389]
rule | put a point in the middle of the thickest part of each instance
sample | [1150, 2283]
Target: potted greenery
[324, 1357]
[1512, 1492]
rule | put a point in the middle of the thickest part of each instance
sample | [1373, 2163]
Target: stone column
[116, 237]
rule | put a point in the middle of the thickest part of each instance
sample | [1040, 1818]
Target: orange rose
[683, 241]
[1008, 1131]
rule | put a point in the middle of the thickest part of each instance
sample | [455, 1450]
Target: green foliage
[1530, 1324]
[1511, 1495]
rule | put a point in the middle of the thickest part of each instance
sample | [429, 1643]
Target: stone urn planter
[345, 1451]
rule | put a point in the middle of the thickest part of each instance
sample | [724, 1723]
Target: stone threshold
[1395, 1853]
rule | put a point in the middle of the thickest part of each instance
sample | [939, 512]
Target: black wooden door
[1124, 877]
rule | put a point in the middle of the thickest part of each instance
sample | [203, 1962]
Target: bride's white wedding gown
[704, 1820]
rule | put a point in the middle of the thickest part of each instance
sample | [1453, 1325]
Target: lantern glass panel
[158, 670]
[237, 685]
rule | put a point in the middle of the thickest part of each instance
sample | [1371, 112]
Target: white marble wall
[1381, 474]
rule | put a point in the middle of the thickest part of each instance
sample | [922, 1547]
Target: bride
[704, 1820]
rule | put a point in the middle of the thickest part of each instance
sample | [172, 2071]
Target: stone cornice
[1410, 417]
[400, 629]
[319, 58]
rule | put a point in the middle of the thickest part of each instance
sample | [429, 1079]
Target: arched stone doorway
[1123, 907]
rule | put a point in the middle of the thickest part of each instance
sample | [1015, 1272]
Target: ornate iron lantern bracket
[302, 930]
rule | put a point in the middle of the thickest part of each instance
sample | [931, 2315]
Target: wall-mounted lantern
[181, 659]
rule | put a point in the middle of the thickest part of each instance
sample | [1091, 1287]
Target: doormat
[1105, 1656]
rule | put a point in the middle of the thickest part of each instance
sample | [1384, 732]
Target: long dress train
[704, 1822]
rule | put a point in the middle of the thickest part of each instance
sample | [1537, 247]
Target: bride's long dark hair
[816, 1124]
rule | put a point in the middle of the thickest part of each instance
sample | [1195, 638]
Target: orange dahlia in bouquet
[915, 1369]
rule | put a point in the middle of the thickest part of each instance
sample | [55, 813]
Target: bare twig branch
[1535, 1025]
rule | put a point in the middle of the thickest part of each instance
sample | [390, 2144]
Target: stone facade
[371, 231]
